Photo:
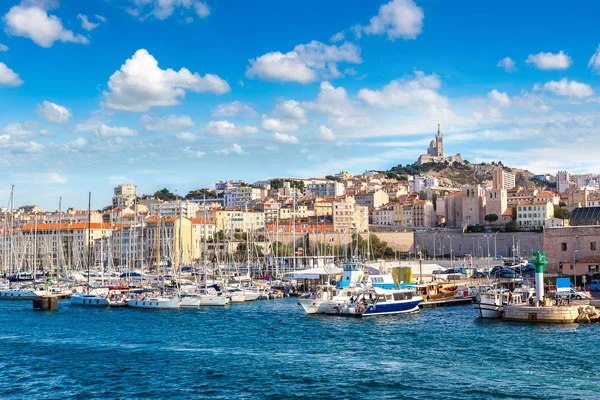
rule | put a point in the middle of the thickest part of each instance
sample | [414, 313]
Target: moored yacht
[154, 302]
[381, 302]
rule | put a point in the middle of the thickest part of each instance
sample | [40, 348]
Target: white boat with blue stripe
[381, 302]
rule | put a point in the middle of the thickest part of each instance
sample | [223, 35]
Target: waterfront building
[348, 216]
[473, 205]
[242, 196]
[502, 179]
[324, 188]
[564, 244]
[423, 213]
[187, 209]
[496, 203]
[383, 215]
[124, 196]
[533, 214]
[236, 219]
[372, 200]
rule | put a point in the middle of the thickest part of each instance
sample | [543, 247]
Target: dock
[447, 302]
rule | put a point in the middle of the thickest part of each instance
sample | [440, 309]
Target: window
[593, 246]
[563, 247]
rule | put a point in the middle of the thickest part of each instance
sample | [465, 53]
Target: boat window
[389, 297]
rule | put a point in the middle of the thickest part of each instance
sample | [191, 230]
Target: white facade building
[324, 188]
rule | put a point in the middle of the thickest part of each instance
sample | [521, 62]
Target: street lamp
[495, 242]
[434, 233]
[575, 269]
[451, 263]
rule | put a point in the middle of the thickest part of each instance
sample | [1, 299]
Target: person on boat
[510, 297]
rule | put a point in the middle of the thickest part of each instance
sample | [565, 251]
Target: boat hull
[89, 301]
[209, 300]
[315, 306]
[392, 308]
[154, 303]
[488, 310]
[190, 302]
[18, 294]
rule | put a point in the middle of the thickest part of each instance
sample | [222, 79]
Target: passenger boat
[92, 300]
[381, 302]
[491, 303]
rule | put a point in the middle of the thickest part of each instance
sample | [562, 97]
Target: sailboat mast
[89, 234]
[204, 234]
[12, 214]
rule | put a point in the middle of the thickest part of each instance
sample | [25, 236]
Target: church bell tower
[439, 142]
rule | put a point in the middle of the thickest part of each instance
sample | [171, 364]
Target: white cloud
[202, 9]
[531, 102]
[507, 64]
[186, 137]
[103, 130]
[396, 19]
[335, 103]
[194, 153]
[325, 133]
[338, 37]
[8, 77]
[234, 109]
[568, 88]
[170, 123]
[141, 84]
[305, 63]
[100, 18]
[163, 9]
[412, 92]
[594, 63]
[20, 129]
[226, 129]
[548, 61]
[235, 149]
[55, 177]
[46, 133]
[500, 99]
[285, 138]
[33, 22]
[87, 24]
[3, 47]
[288, 116]
[53, 113]
[77, 144]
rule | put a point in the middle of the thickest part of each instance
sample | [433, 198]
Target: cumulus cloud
[548, 61]
[397, 19]
[234, 109]
[594, 63]
[163, 9]
[53, 113]
[305, 63]
[77, 144]
[141, 84]
[285, 138]
[234, 149]
[193, 153]
[568, 88]
[507, 64]
[8, 77]
[500, 99]
[413, 92]
[340, 109]
[34, 22]
[186, 137]
[325, 133]
[106, 131]
[531, 102]
[87, 24]
[226, 129]
[3, 47]
[20, 129]
[170, 123]
[288, 116]
[338, 37]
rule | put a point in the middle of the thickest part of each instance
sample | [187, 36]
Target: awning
[316, 273]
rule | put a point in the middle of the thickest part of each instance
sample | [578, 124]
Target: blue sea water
[270, 349]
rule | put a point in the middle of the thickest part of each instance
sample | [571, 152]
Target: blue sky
[183, 93]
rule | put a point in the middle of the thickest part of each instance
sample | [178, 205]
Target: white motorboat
[21, 294]
[213, 300]
[491, 303]
[326, 299]
[189, 301]
[155, 302]
[91, 300]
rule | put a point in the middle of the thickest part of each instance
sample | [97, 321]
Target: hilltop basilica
[435, 152]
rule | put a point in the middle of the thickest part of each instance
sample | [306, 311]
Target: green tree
[560, 212]
[198, 194]
[333, 178]
[165, 195]
[512, 227]
[276, 183]
[491, 218]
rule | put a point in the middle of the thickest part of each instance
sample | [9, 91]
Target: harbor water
[270, 349]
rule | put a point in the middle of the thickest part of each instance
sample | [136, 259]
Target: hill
[458, 175]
